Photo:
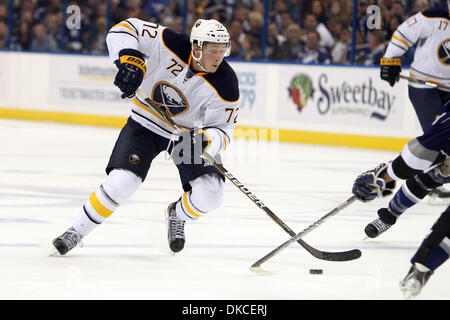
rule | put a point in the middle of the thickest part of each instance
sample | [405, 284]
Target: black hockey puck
[315, 271]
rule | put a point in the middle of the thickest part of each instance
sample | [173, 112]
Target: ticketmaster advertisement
[85, 83]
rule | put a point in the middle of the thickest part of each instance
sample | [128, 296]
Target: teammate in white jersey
[189, 78]
[429, 32]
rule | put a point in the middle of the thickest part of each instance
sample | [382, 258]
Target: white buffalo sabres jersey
[429, 32]
[204, 100]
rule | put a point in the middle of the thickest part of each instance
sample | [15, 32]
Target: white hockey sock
[83, 224]
[119, 186]
[206, 195]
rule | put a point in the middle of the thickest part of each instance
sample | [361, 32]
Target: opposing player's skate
[378, 226]
[415, 280]
[67, 241]
[175, 229]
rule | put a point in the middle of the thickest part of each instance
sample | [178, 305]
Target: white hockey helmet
[210, 31]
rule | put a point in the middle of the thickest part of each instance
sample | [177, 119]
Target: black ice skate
[175, 229]
[67, 241]
[414, 281]
[378, 226]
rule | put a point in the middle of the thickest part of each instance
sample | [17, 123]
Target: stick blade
[341, 256]
[261, 271]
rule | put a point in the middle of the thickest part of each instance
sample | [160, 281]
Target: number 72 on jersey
[232, 112]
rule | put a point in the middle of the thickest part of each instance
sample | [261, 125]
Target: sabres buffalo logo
[134, 158]
[444, 52]
[300, 90]
[170, 98]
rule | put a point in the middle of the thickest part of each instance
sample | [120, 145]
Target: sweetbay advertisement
[338, 96]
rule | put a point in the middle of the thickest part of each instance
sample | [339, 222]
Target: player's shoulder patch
[225, 82]
[436, 14]
[178, 43]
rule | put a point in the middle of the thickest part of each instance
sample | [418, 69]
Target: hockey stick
[428, 83]
[329, 256]
[256, 267]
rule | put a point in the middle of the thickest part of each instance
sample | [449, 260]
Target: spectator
[335, 27]
[293, 44]
[134, 11]
[98, 44]
[398, 11]
[312, 53]
[42, 42]
[286, 21]
[237, 52]
[362, 17]
[256, 22]
[101, 11]
[118, 13]
[241, 14]
[280, 8]
[53, 25]
[22, 40]
[275, 43]
[178, 24]
[3, 34]
[292, 8]
[340, 10]
[311, 24]
[377, 47]
[236, 31]
[172, 10]
[341, 49]
[3, 13]
[362, 49]
[317, 9]
[251, 50]
[392, 25]
[419, 5]
[258, 7]
[156, 8]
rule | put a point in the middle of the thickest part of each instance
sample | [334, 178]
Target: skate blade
[408, 295]
[436, 201]
[54, 253]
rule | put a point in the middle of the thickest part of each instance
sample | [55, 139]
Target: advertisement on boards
[85, 83]
[252, 88]
[340, 97]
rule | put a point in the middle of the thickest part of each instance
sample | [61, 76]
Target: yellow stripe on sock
[187, 206]
[99, 207]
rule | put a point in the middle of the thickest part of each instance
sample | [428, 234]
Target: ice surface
[48, 170]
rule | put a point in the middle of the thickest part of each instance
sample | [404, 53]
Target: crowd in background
[305, 31]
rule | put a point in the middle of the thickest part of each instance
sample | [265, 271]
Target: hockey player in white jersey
[429, 33]
[189, 78]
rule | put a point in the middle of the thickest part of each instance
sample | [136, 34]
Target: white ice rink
[48, 170]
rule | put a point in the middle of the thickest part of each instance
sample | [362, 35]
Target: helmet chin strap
[197, 60]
